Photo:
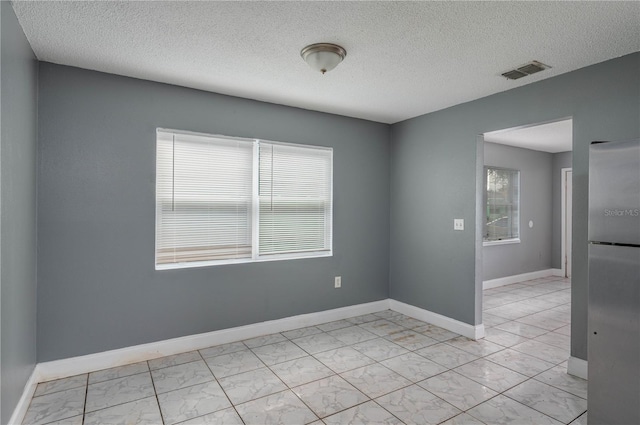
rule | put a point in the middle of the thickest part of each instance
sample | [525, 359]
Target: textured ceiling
[552, 137]
[403, 59]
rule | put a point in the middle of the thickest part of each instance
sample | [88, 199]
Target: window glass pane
[214, 193]
[203, 199]
[502, 204]
[295, 199]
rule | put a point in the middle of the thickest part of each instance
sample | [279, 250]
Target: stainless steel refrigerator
[614, 283]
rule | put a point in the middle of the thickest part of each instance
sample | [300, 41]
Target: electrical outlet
[338, 282]
[458, 224]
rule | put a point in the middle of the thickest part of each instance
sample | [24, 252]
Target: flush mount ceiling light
[323, 57]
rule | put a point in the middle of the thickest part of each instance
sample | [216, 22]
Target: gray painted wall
[18, 76]
[533, 253]
[560, 160]
[97, 287]
[433, 180]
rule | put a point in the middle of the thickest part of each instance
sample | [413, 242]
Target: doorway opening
[536, 208]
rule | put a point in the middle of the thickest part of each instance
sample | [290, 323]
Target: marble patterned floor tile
[522, 329]
[555, 339]
[542, 322]
[233, 363]
[502, 410]
[264, 340]
[279, 352]
[582, 420]
[415, 405]
[180, 376]
[504, 338]
[330, 395]
[251, 385]
[352, 335]
[379, 349]
[491, 375]
[55, 406]
[543, 351]
[117, 391]
[413, 366]
[375, 380]
[436, 332]
[463, 419]
[411, 340]
[300, 332]
[301, 371]
[382, 327]
[489, 320]
[61, 385]
[549, 400]
[559, 378]
[318, 343]
[565, 330]
[220, 350]
[280, 408]
[343, 359]
[176, 359]
[118, 372]
[192, 402]
[332, 326]
[407, 322]
[458, 390]
[76, 420]
[479, 348]
[447, 355]
[358, 320]
[227, 416]
[520, 362]
[139, 412]
[388, 314]
[364, 414]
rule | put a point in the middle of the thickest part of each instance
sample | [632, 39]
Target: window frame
[255, 209]
[505, 241]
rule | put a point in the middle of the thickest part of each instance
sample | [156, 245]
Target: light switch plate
[338, 282]
[458, 224]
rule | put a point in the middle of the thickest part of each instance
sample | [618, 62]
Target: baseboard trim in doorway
[578, 367]
[465, 329]
[508, 280]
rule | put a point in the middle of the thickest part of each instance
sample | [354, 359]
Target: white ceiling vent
[528, 69]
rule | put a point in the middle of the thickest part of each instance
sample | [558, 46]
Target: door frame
[563, 202]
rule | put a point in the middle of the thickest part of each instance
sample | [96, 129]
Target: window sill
[275, 257]
[501, 242]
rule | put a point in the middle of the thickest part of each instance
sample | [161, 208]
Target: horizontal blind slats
[203, 198]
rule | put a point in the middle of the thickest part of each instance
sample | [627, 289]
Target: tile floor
[383, 368]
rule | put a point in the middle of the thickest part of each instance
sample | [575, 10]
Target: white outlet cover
[530, 224]
[458, 224]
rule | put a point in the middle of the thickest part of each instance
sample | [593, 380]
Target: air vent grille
[514, 74]
[527, 69]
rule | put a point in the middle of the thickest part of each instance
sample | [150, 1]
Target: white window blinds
[203, 198]
[295, 199]
[222, 200]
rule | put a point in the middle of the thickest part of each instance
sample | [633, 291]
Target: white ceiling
[403, 58]
[552, 137]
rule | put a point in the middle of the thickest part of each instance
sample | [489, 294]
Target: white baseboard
[578, 367]
[508, 280]
[137, 353]
[557, 272]
[92, 362]
[465, 329]
[25, 399]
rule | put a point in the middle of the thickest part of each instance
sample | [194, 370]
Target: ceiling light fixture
[323, 57]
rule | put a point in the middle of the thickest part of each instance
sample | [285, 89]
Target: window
[223, 200]
[502, 205]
